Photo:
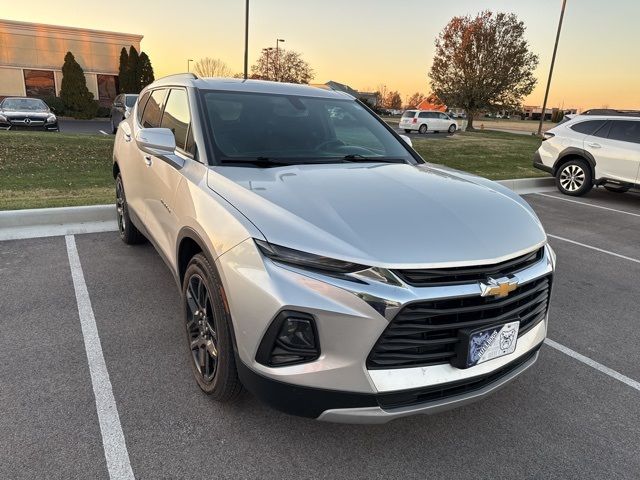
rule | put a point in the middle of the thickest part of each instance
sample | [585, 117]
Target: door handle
[594, 145]
[147, 160]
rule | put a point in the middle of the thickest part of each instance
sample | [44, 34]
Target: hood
[40, 114]
[387, 215]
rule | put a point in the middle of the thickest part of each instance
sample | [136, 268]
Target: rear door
[616, 149]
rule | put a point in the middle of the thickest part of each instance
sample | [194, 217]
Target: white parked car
[427, 121]
[592, 150]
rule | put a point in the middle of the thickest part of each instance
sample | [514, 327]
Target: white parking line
[103, 132]
[624, 257]
[593, 364]
[587, 204]
[115, 448]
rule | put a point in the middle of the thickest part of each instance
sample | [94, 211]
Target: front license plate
[492, 342]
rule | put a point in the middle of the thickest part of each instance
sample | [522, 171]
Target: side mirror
[156, 141]
[127, 113]
[407, 140]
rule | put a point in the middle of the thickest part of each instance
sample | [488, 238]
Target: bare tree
[212, 67]
[415, 100]
[483, 62]
[283, 66]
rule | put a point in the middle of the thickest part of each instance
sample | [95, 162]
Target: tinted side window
[141, 105]
[432, 115]
[625, 131]
[443, 116]
[423, 115]
[153, 109]
[588, 127]
[176, 116]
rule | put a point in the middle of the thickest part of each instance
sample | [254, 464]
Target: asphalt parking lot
[96, 127]
[575, 414]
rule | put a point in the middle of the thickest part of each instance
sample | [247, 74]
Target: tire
[574, 178]
[128, 231]
[114, 129]
[423, 128]
[616, 188]
[407, 130]
[452, 129]
[207, 326]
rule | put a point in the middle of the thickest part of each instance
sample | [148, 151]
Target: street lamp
[188, 62]
[278, 40]
[267, 50]
[553, 61]
[246, 40]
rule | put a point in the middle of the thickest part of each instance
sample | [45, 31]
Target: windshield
[296, 129]
[130, 100]
[24, 104]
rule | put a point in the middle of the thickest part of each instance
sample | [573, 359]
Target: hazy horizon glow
[368, 43]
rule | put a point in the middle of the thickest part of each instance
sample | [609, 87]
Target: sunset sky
[367, 43]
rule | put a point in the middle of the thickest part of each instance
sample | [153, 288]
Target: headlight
[306, 260]
[3, 118]
[51, 119]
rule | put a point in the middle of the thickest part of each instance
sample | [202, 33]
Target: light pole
[246, 40]
[267, 50]
[553, 61]
[188, 62]
[277, 64]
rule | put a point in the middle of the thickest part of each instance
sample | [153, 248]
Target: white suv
[593, 150]
[427, 121]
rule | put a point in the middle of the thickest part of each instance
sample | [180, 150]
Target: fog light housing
[291, 339]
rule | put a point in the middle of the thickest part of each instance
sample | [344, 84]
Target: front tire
[452, 129]
[128, 231]
[422, 129]
[574, 178]
[207, 324]
[407, 130]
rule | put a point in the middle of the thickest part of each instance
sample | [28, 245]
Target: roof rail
[612, 111]
[176, 76]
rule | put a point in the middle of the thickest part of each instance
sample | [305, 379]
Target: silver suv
[593, 149]
[324, 266]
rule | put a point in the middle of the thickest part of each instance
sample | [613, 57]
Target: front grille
[444, 391]
[460, 275]
[427, 333]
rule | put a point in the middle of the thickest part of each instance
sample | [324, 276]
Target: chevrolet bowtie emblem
[500, 287]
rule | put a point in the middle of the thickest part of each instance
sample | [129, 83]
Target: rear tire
[114, 129]
[407, 130]
[574, 178]
[423, 129]
[128, 231]
[616, 188]
[207, 325]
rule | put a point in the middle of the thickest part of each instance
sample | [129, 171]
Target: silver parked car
[323, 265]
[121, 108]
[21, 113]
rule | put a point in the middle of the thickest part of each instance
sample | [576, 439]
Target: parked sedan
[121, 107]
[18, 113]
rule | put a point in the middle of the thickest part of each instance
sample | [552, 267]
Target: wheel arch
[115, 170]
[573, 153]
[189, 244]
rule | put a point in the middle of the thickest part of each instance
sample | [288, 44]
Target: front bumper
[350, 318]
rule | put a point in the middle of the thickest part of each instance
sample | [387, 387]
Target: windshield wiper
[356, 157]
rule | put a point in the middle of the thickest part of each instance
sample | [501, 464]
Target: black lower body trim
[311, 402]
[537, 163]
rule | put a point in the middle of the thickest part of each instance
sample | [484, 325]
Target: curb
[42, 222]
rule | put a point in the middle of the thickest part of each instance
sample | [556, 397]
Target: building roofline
[37, 27]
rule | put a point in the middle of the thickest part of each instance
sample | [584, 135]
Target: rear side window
[141, 105]
[153, 110]
[589, 128]
[423, 115]
[176, 116]
[625, 131]
[409, 113]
